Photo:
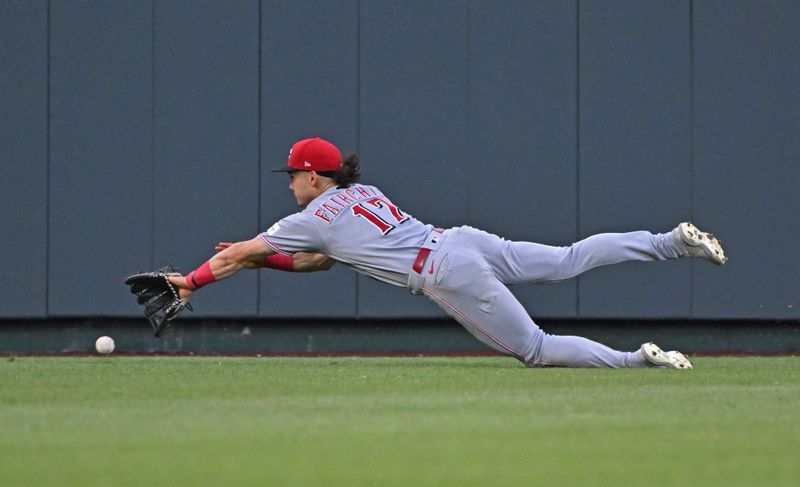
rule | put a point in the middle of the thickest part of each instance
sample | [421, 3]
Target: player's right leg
[668, 360]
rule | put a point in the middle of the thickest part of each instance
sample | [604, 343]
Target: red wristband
[200, 276]
[280, 262]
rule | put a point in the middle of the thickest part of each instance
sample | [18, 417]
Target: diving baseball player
[463, 270]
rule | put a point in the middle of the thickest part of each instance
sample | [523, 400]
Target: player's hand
[183, 287]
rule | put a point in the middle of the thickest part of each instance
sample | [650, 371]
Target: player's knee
[565, 268]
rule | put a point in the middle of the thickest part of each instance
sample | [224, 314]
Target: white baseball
[104, 345]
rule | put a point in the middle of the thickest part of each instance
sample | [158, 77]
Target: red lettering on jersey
[331, 209]
[351, 193]
[363, 192]
[395, 211]
[335, 202]
[320, 214]
[344, 198]
[383, 227]
[379, 203]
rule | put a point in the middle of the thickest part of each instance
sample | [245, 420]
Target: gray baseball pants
[472, 267]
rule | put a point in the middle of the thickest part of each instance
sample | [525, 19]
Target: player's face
[301, 186]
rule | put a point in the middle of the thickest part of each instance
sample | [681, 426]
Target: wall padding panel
[523, 144]
[309, 86]
[747, 156]
[206, 179]
[101, 179]
[413, 125]
[635, 169]
[23, 157]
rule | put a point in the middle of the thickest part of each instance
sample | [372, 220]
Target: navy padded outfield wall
[139, 133]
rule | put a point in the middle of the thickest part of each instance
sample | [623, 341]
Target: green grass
[401, 421]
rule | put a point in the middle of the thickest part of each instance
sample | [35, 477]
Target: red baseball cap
[313, 154]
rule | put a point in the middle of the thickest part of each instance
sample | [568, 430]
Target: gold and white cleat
[660, 358]
[701, 244]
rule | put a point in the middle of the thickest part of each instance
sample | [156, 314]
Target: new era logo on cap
[313, 154]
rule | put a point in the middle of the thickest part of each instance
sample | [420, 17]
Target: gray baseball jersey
[466, 270]
[357, 226]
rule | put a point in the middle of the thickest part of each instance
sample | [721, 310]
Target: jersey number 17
[370, 208]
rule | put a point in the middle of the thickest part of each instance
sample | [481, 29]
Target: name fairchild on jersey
[331, 207]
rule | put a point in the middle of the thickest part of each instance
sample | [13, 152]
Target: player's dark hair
[349, 173]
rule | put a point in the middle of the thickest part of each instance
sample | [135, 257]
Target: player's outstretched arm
[238, 256]
[300, 261]
[248, 264]
[312, 262]
[227, 262]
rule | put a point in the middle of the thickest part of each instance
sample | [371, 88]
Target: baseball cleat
[701, 244]
[659, 358]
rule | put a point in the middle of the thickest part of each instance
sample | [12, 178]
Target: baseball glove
[160, 298]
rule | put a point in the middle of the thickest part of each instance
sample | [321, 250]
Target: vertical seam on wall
[356, 312]
[259, 149]
[47, 179]
[358, 76]
[691, 146]
[153, 135]
[578, 144]
[469, 108]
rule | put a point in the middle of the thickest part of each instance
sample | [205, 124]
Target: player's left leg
[469, 291]
[530, 262]
[518, 262]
